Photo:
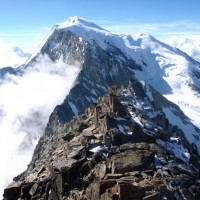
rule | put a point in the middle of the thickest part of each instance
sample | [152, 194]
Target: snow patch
[99, 149]
[189, 130]
[177, 149]
[73, 107]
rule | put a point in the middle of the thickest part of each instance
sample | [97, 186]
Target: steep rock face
[108, 59]
[123, 147]
[5, 71]
[100, 68]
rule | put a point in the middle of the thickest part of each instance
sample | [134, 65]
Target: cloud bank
[10, 55]
[26, 103]
[158, 30]
[187, 43]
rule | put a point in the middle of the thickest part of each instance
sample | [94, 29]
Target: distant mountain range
[160, 89]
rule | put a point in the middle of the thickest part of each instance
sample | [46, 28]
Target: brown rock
[96, 189]
[131, 161]
[33, 189]
[135, 173]
[154, 196]
[102, 171]
[111, 194]
[113, 176]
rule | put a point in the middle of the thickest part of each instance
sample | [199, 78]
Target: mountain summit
[139, 82]
[110, 59]
[81, 22]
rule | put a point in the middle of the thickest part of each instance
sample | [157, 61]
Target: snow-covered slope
[189, 44]
[172, 72]
[11, 56]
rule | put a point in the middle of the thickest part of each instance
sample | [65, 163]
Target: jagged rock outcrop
[123, 147]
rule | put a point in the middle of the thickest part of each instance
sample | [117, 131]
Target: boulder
[97, 189]
[129, 191]
[132, 161]
[12, 192]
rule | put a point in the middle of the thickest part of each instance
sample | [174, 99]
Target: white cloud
[159, 30]
[10, 55]
[187, 43]
[25, 105]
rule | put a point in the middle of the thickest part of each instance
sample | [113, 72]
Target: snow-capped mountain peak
[79, 21]
[81, 27]
[112, 58]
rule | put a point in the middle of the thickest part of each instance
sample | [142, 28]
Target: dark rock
[164, 192]
[129, 191]
[138, 134]
[186, 194]
[68, 137]
[195, 190]
[13, 191]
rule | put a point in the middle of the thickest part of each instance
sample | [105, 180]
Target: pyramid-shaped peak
[79, 21]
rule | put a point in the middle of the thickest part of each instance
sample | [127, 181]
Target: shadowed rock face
[100, 68]
[120, 148]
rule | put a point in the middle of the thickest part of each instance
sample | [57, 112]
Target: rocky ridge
[123, 147]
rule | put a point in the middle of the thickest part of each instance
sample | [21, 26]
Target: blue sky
[25, 23]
